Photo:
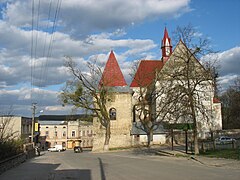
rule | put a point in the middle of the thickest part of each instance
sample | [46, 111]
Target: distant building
[66, 130]
[16, 127]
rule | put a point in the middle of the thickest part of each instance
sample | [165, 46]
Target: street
[115, 166]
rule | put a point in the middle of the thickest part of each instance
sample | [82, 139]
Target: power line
[36, 44]
[43, 75]
[58, 6]
[45, 42]
[32, 51]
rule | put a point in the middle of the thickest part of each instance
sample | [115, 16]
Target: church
[125, 120]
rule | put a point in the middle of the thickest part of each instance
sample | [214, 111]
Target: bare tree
[231, 105]
[153, 102]
[7, 132]
[193, 83]
[87, 93]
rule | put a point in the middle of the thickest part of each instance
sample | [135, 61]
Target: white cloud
[79, 17]
[229, 64]
[230, 61]
[85, 30]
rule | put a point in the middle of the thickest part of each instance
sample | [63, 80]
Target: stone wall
[12, 162]
[29, 152]
[120, 128]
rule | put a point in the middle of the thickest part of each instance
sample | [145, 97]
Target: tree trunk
[150, 138]
[196, 148]
[107, 137]
[195, 128]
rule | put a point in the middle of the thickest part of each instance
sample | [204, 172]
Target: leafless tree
[193, 81]
[7, 132]
[231, 105]
[153, 103]
[85, 92]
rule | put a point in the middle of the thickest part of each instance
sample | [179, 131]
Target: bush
[10, 148]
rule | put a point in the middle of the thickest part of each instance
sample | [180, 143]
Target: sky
[36, 35]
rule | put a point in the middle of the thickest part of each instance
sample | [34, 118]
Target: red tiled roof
[146, 72]
[112, 75]
[216, 100]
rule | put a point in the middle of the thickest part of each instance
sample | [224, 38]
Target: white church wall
[157, 139]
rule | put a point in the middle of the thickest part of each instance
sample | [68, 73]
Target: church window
[112, 114]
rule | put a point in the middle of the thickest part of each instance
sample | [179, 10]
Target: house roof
[146, 72]
[63, 117]
[216, 100]
[112, 75]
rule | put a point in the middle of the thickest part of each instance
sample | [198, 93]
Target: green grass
[224, 153]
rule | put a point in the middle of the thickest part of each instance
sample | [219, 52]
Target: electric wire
[31, 61]
[49, 51]
[45, 42]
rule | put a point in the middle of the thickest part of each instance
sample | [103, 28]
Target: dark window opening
[112, 114]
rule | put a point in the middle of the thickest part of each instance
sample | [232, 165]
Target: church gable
[180, 60]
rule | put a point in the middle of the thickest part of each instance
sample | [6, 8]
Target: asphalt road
[128, 165]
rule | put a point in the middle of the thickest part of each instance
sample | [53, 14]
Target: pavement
[179, 151]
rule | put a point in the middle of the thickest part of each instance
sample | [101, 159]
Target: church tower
[118, 105]
[166, 46]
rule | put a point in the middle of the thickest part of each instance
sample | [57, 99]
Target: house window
[55, 133]
[112, 114]
[46, 133]
[73, 133]
[83, 133]
[64, 134]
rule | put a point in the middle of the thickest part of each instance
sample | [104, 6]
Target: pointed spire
[166, 46]
[112, 75]
[165, 34]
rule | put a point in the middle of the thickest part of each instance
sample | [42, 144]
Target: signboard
[36, 127]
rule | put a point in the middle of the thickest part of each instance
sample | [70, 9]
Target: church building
[122, 105]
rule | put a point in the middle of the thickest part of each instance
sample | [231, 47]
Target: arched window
[112, 114]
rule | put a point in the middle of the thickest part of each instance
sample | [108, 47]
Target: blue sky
[89, 30]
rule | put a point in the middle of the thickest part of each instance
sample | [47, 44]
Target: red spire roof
[216, 100]
[165, 33]
[166, 46]
[165, 37]
[112, 75]
[146, 72]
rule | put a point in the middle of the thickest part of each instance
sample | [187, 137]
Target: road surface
[127, 165]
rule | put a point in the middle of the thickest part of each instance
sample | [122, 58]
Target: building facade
[68, 131]
[16, 127]
[124, 129]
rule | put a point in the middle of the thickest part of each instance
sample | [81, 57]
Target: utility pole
[33, 119]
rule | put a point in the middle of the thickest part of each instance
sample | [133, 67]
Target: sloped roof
[146, 72]
[182, 48]
[62, 117]
[112, 75]
[216, 100]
